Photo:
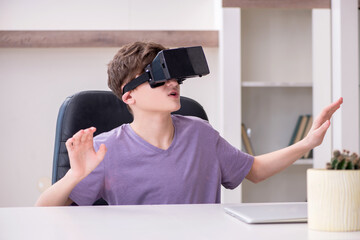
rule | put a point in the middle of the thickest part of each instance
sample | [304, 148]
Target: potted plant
[334, 194]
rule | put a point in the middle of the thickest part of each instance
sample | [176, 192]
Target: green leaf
[350, 165]
[334, 163]
[341, 164]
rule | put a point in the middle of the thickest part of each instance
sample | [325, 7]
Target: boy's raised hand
[322, 123]
[266, 165]
[82, 155]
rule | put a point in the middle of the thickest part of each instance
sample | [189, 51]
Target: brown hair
[129, 61]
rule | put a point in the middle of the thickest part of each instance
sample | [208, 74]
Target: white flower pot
[333, 199]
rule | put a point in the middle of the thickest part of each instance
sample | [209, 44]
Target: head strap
[145, 77]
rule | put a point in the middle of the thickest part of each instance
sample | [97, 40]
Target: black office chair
[100, 109]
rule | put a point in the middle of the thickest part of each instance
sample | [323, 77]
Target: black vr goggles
[178, 63]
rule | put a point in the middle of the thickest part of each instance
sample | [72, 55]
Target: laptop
[290, 212]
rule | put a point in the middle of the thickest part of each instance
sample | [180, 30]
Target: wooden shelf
[275, 84]
[296, 4]
[308, 161]
[54, 39]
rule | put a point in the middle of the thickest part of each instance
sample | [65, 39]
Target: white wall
[106, 14]
[34, 82]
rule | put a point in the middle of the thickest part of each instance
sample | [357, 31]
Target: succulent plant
[344, 161]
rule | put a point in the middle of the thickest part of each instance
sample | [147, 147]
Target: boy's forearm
[58, 194]
[269, 164]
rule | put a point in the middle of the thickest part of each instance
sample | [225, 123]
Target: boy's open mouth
[173, 93]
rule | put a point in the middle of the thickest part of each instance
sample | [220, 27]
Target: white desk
[145, 222]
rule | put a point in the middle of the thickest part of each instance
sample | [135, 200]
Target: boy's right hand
[82, 155]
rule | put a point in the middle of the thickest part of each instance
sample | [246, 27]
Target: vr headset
[178, 63]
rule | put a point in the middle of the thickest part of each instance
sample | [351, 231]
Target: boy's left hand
[321, 124]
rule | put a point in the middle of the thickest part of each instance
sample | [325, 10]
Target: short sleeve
[234, 164]
[90, 188]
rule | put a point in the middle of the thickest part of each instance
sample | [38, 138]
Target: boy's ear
[127, 98]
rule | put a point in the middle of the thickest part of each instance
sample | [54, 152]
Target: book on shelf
[307, 129]
[246, 140]
[292, 139]
[302, 128]
[309, 154]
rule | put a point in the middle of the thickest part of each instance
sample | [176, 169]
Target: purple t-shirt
[191, 170]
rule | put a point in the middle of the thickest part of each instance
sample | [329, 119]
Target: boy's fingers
[328, 111]
[77, 137]
[80, 136]
[323, 128]
[84, 137]
[69, 143]
[91, 133]
[101, 152]
[325, 125]
[88, 134]
[79, 133]
[333, 107]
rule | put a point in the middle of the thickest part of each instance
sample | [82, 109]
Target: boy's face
[165, 98]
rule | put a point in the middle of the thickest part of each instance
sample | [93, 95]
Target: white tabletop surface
[208, 221]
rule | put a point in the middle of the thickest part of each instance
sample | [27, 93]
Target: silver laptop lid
[269, 212]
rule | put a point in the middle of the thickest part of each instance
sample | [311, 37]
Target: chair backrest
[103, 110]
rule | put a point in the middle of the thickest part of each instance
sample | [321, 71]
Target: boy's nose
[172, 82]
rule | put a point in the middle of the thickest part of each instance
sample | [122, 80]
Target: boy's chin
[176, 108]
[167, 108]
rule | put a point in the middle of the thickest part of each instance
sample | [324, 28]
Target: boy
[160, 158]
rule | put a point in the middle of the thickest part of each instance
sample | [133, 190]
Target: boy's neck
[156, 129]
